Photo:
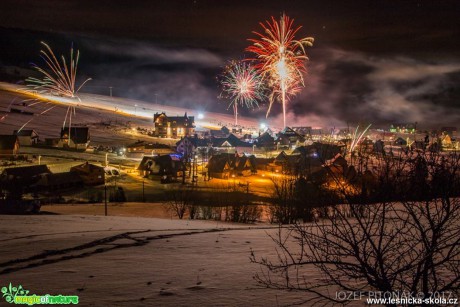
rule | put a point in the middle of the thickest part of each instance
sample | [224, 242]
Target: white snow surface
[133, 261]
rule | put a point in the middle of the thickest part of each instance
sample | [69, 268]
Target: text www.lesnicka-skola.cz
[397, 297]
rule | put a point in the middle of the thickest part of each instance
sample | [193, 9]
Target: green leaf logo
[11, 292]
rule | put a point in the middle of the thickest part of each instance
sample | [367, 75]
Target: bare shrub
[378, 243]
[181, 199]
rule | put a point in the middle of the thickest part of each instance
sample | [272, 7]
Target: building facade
[75, 138]
[173, 126]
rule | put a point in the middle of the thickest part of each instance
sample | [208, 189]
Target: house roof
[87, 168]
[165, 162]
[26, 171]
[136, 144]
[287, 134]
[176, 121]
[157, 146]
[218, 163]
[281, 156]
[144, 161]
[8, 142]
[196, 142]
[24, 132]
[59, 179]
[302, 130]
[79, 135]
[266, 139]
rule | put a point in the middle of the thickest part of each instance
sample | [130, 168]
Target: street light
[105, 197]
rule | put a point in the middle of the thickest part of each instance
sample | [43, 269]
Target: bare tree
[180, 199]
[412, 245]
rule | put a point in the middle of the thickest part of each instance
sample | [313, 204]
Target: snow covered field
[132, 261]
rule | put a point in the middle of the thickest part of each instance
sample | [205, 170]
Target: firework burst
[58, 78]
[242, 85]
[280, 59]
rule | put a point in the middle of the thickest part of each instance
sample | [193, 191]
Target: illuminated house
[90, 174]
[403, 127]
[189, 145]
[76, 138]
[165, 165]
[141, 148]
[26, 137]
[223, 165]
[288, 137]
[173, 126]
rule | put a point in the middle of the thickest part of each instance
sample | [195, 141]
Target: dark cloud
[374, 61]
[351, 86]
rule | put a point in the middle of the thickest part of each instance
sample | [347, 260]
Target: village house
[231, 144]
[403, 128]
[265, 140]
[26, 137]
[303, 131]
[450, 131]
[59, 181]
[220, 133]
[288, 138]
[75, 138]
[141, 148]
[224, 165]
[191, 145]
[9, 146]
[446, 141]
[90, 174]
[23, 177]
[173, 126]
[164, 165]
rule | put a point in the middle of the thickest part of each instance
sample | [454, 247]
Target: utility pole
[105, 198]
[143, 191]
[110, 88]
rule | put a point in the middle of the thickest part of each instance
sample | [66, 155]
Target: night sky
[373, 61]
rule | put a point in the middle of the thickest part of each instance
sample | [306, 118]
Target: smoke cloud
[342, 87]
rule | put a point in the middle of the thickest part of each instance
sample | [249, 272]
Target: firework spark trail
[280, 59]
[242, 85]
[357, 137]
[61, 78]
[49, 109]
